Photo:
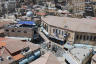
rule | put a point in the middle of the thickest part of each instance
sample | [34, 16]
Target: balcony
[88, 3]
[88, 10]
[88, 7]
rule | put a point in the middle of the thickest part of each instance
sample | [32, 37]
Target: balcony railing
[88, 3]
[88, 7]
[88, 10]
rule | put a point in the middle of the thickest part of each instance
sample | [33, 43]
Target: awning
[26, 22]
[69, 59]
[56, 38]
[46, 33]
[65, 35]
[51, 36]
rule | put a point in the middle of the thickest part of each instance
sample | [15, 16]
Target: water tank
[37, 54]
[27, 59]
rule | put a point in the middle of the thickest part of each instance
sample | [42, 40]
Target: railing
[88, 7]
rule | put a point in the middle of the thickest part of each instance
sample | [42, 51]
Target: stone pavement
[59, 52]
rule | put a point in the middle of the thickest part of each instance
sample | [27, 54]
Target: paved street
[60, 50]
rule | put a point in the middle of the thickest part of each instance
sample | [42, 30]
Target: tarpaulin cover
[26, 22]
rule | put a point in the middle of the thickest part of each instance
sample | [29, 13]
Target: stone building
[72, 30]
[22, 29]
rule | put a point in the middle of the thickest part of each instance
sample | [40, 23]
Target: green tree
[71, 10]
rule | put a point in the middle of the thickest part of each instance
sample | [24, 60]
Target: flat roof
[69, 59]
[68, 46]
[80, 53]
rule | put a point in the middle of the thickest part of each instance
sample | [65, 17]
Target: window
[47, 28]
[62, 32]
[87, 37]
[94, 38]
[25, 31]
[12, 30]
[7, 30]
[53, 30]
[43, 25]
[56, 30]
[19, 31]
[84, 37]
[59, 31]
[80, 37]
[77, 36]
[68, 34]
[90, 38]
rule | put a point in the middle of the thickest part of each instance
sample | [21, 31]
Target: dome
[29, 14]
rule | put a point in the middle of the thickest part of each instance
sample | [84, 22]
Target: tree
[71, 10]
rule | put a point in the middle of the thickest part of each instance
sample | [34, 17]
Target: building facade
[79, 5]
[71, 30]
[21, 31]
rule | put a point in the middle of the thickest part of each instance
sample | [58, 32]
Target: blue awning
[26, 22]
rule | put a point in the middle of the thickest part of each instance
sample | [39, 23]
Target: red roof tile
[3, 44]
[2, 39]
[16, 45]
[41, 14]
[18, 56]
[94, 18]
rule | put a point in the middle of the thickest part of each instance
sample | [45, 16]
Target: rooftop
[74, 24]
[47, 58]
[24, 24]
[42, 14]
[5, 56]
[5, 22]
[2, 44]
[94, 57]
[16, 45]
[80, 53]
[12, 48]
[18, 56]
